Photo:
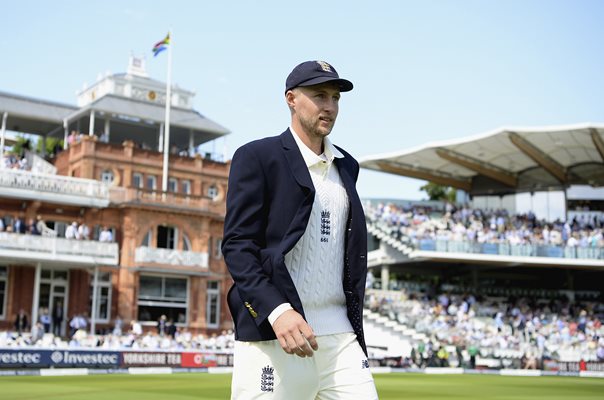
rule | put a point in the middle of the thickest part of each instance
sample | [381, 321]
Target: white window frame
[151, 178]
[3, 299]
[217, 253]
[102, 284]
[213, 293]
[159, 303]
[141, 180]
[186, 243]
[107, 176]
[173, 185]
[213, 192]
[186, 186]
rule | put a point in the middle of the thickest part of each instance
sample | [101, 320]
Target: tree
[439, 192]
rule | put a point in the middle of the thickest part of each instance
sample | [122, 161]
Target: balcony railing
[146, 254]
[167, 199]
[54, 188]
[505, 249]
[40, 248]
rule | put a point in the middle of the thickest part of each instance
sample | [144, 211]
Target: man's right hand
[295, 335]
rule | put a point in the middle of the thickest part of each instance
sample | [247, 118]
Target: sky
[423, 70]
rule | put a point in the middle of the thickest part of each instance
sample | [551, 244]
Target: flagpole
[164, 184]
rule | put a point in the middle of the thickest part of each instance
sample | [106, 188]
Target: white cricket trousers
[339, 370]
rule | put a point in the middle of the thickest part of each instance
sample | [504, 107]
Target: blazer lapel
[296, 162]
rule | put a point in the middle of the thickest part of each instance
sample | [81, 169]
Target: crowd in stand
[12, 161]
[37, 226]
[466, 224]
[165, 336]
[524, 331]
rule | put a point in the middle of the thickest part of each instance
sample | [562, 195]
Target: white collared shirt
[319, 164]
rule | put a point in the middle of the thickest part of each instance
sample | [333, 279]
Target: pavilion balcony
[59, 189]
[145, 255]
[135, 196]
[52, 250]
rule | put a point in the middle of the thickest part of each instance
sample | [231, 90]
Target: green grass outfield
[209, 386]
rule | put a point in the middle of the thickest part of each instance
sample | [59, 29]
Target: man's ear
[290, 97]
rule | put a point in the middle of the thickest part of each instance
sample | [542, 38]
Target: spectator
[117, 326]
[106, 235]
[78, 322]
[72, 231]
[57, 317]
[19, 225]
[45, 319]
[136, 328]
[83, 232]
[41, 226]
[32, 227]
[21, 322]
[162, 325]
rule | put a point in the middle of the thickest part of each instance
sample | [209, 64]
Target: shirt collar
[310, 158]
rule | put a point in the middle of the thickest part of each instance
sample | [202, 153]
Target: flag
[161, 45]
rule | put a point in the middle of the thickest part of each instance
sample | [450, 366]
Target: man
[295, 244]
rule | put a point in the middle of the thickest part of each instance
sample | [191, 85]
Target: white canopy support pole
[160, 146]
[3, 132]
[36, 300]
[95, 292]
[91, 126]
[65, 133]
[191, 144]
[107, 129]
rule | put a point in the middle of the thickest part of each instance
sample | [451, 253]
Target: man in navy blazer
[295, 243]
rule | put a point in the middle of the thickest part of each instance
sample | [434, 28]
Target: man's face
[316, 108]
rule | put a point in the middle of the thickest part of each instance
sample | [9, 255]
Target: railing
[505, 249]
[28, 247]
[142, 196]
[90, 191]
[146, 254]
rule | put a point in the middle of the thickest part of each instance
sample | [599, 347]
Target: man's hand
[295, 335]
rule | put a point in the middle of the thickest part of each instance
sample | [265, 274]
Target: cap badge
[325, 66]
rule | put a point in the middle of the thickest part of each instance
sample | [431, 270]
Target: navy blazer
[269, 202]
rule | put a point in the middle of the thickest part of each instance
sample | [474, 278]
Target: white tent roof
[506, 160]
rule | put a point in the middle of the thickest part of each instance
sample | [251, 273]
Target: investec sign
[65, 358]
[21, 357]
[85, 358]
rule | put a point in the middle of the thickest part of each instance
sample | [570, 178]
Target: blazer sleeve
[244, 235]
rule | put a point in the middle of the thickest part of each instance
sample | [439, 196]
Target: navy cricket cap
[313, 73]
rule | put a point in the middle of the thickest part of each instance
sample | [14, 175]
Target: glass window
[103, 303]
[186, 186]
[166, 237]
[173, 185]
[175, 288]
[159, 295]
[213, 304]
[213, 192]
[186, 243]
[150, 286]
[3, 284]
[151, 182]
[147, 238]
[107, 176]
[217, 247]
[137, 180]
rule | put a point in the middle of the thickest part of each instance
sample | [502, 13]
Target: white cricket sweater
[316, 263]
